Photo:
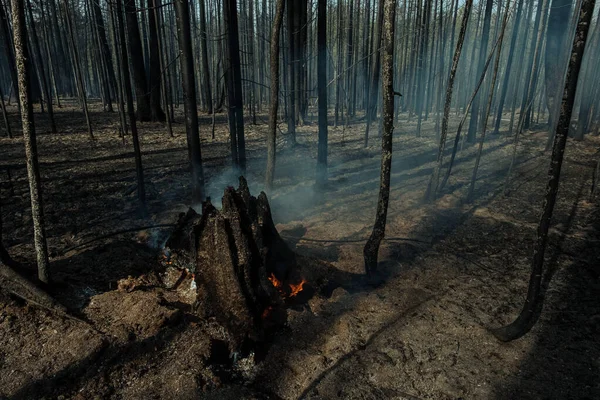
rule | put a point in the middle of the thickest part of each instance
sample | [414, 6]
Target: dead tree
[5, 114]
[129, 99]
[204, 51]
[40, 68]
[234, 253]
[322, 89]
[155, 71]
[530, 312]
[431, 191]
[473, 124]
[134, 45]
[77, 67]
[274, 61]
[190, 106]
[233, 79]
[373, 85]
[489, 105]
[371, 249]
[33, 169]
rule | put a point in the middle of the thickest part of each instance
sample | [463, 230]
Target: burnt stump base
[235, 254]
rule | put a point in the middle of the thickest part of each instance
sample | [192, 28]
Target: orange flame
[294, 289]
[297, 288]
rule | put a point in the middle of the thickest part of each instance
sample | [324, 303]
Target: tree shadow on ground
[563, 364]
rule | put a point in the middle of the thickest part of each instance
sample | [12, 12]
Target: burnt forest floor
[421, 333]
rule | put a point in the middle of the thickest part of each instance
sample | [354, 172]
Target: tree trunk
[322, 89]
[509, 62]
[154, 71]
[371, 249]
[136, 58]
[489, 105]
[77, 67]
[532, 307]
[431, 192]
[272, 134]
[129, 98]
[41, 70]
[8, 49]
[204, 51]
[473, 124]
[373, 88]
[186, 61]
[233, 76]
[33, 170]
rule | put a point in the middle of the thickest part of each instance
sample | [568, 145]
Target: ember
[294, 289]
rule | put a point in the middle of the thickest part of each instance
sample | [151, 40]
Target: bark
[5, 115]
[130, 112]
[371, 248]
[136, 58]
[473, 124]
[77, 67]
[104, 49]
[531, 310]
[186, 62]
[8, 49]
[204, 53]
[431, 192]
[155, 72]
[322, 89]
[41, 70]
[509, 63]
[33, 169]
[489, 105]
[233, 253]
[274, 69]
[156, 15]
[233, 77]
[373, 87]
[464, 118]
[528, 94]
[555, 56]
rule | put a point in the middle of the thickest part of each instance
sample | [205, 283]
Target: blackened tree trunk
[186, 61]
[558, 25]
[5, 115]
[77, 67]
[473, 124]
[291, 71]
[431, 192]
[155, 71]
[157, 16]
[531, 309]
[272, 134]
[509, 62]
[136, 58]
[422, 54]
[41, 70]
[233, 76]
[103, 42]
[322, 89]
[204, 51]
[371, 249]
[33, 170]
[373, 86]
[489, 105]
[131, 114]
[8, 49]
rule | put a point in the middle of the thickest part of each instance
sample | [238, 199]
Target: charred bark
[370, 252]
[234, 252]
[531, 310]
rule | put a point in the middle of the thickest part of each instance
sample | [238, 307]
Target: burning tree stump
[240, 263]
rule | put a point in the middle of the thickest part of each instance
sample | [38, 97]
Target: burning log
[241, 264]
